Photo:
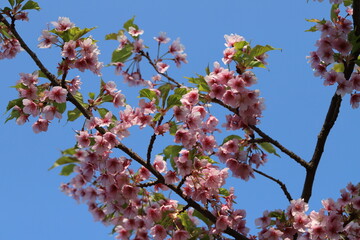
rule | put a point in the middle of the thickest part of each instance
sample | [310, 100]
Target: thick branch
[281, 184]
[331, 115]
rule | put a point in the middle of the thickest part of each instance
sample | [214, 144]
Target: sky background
[296, 101]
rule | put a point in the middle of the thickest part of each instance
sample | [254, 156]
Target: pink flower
[47, 39]
[222, 223]
[158, 232]
[11, 47]
[30, 107]
[29, 93]
[162, 67]
[83, 139]
[58, 94]
[228, 55]
[176, 47]
[191, 98]
[63, 24]
[180, 235]
[101, 145]
[51, 112]
[29, 79]
[162, 38]
[159, 164]
[41, 125]
[135, 32]
[232, 39]
[69, 50]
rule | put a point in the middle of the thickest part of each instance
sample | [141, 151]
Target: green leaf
[107, 98]
[173, 128]
[231, 137]
[64, 160]
[14, 114]
[78, 96]
[207, 70]
[157, 117]
[173, 100]
[67, 170]
[186, 222]
[312, 29]
[157, 197]
[333, 15]
[313, 20]
[41, 74]
[348, 2]
[19, 1]
[207, 221]
[164, 91]
[102, 112]
[60, 107]
[111, 36]
[258, 50]
[147, 93]
[73, 115]
[69, 151]
[130, 23]
[122, 55]
[200, 82]
[224, 192]
[31, 5]
[13, 103]
[11, 2]
[240, 45]
[91, 95]
[171, 151]
[268, 147]
[339, 67]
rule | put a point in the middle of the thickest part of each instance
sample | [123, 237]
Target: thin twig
[151, 143]
[267, 138]
[281, 184]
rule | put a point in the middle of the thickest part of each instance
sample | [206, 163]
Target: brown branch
[151, 143]
[121, 146]
[281, 184]
[146, 55]
[266, 137]
[331, 115]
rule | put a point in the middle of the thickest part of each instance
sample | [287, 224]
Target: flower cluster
[40, 100]
[336, 220]
[9, 45]
[132, 75]
[79, 53]
[334, 48]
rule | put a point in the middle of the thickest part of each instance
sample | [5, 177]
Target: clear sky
[32, 205]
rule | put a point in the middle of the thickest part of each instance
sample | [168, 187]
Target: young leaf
[268, 147]
[333, 15]
[147, 93]
[122, 55]
[228, 138]
[67, 170]
[130, 23]
[73, 115]
[197, 214]
[111, 36]
[91, 95]
[11, 2]
[171, 151]
[64, 160]
[259, 50]
[14, 114]
[31, 5]
[60, 107]
[13, 103]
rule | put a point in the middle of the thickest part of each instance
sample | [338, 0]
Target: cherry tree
[177, 189]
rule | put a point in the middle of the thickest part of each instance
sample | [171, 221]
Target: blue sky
[33, 206]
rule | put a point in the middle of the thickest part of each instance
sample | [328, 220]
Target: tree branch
[267, 138]
[331, 115]
[121, 146]
[281, 184]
